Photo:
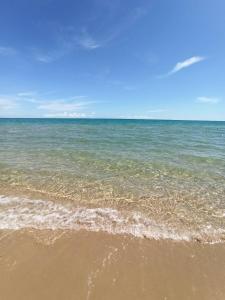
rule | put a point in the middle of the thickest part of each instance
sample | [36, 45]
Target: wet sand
[86, 265]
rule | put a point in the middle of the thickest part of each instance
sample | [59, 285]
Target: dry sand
[81, 265]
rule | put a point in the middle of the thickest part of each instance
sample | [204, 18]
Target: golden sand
[86, 265]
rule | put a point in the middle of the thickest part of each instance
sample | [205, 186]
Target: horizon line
[107, 118]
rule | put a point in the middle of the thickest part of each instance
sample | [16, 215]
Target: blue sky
[120, 59]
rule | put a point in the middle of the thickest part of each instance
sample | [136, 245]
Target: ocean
[147, 178]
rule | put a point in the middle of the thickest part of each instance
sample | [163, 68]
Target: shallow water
[171, 174]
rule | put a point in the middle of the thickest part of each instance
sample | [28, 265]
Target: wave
[18, 213]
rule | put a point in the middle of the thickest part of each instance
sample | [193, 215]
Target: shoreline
[22, 213]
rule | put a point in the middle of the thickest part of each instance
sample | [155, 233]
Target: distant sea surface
[151, 178]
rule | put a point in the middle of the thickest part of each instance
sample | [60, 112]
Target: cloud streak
[208, 100]
[7, 51]
[183, 65]
[7, 104]
[186, 63]
[68, 39]
[49, 56]
[86, 41]
[62, 106]
[66, 108]
[70, 115]
[155, 111]
[66, 45]
[24, 102]
[26, 94]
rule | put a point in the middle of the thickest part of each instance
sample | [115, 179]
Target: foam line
[21, 213]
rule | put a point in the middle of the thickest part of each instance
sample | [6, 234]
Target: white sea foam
[21, 213]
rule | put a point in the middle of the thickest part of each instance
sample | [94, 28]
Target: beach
[83, 265]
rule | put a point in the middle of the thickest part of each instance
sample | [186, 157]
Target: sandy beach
[86, 265]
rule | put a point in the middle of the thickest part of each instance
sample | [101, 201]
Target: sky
[154, 59]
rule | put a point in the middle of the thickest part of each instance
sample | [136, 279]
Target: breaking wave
[21, 213]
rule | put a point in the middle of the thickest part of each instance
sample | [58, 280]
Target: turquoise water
[170, 172]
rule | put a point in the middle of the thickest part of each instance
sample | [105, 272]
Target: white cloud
[27, 94]
[186, 63]
[88, 42]
[209, 100]
[66, 108]
[7, 51]
[62, 105]
[155, 111]
[70, 115]
[73, 107]
[70, 38]
[6, 104]
[46, 57]
[67, 45]
[56, 52]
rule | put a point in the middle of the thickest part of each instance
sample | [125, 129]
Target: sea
[155, 179]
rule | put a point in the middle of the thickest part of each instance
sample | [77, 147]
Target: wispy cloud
[186, 63]
[210, 100]
[70, 115]
[7, 104]
[12, 104]
[27, 94]
[183, 65]
[7, 51]
[32, 103]
[62, 106]
[86, 41]
[66, 44]
[155, 111]
[49, 56]
[45, 58]
[74, 107]
[68, 39]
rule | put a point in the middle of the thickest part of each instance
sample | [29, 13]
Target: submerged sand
[90, 265]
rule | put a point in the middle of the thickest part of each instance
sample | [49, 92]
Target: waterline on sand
[18, 213]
